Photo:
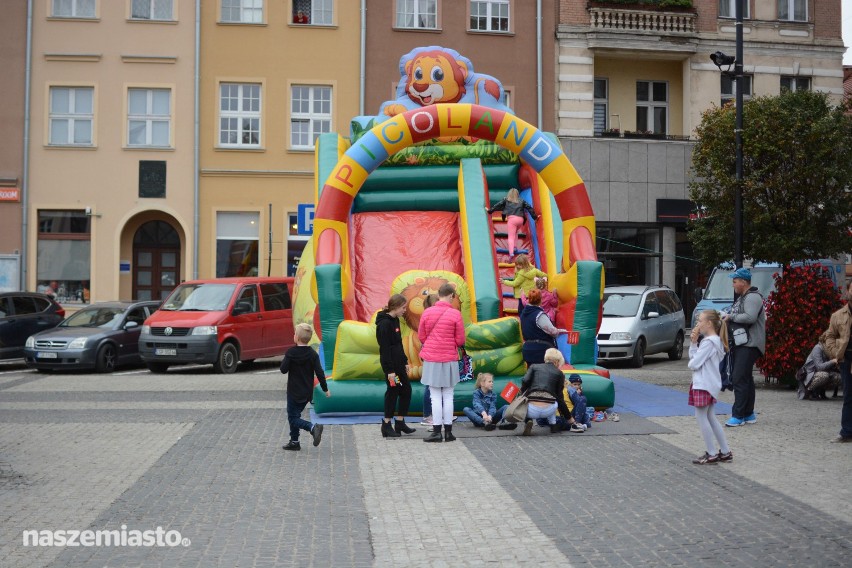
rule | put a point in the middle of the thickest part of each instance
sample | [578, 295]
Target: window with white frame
[507, 96]
[601, 94]
[728, 9]
[652, 106]
[729, 88]
[313, 12]
[418, 14]
[237, 240]
[152, 10]
[310, 115]
[795, 83]
[489, 15]
[73, 9]
[71, 116]
[795, 10]
[148, 117]
[242, 11]
[239, 115]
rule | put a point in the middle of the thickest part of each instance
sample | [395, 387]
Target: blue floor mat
[652, 400]
[643, 399]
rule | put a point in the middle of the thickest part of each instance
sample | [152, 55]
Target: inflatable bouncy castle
[401, 208]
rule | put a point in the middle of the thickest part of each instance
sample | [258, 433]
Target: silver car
[639, 321]
[101, 337]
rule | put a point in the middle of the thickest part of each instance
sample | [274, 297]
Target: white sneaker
[426, 421]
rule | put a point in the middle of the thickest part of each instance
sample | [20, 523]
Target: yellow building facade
[271, 81]
[110, 209]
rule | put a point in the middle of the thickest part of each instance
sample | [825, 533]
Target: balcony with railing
[639, 19]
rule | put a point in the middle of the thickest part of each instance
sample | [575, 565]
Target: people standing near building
[301, 364]
[838, 347]
[747, 330]
[441, 332]
[394, 366]
[708, 343]
[513, 208]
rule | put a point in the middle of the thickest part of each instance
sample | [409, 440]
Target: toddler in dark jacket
[301, 363]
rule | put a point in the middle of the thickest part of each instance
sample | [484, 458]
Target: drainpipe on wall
[197, 135]
[363, 63]
[25, 178]
[538, 40]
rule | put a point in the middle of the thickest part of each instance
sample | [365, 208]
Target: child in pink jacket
[441, 331]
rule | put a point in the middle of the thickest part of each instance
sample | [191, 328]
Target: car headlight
[30, 342]
[78, 343]
[205, 330]
[146, 329]
[620, 336]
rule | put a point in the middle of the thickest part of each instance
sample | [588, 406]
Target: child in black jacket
[301, 363]
[394, 366]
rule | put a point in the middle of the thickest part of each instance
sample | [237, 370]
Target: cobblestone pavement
[201, 454]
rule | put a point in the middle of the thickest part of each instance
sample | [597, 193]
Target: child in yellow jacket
[525, 275]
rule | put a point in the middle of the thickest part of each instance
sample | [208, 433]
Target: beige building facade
[633, 81]
[13, 41]
[110, 211]
[275, 75]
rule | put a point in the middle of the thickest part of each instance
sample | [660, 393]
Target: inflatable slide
[401, 208]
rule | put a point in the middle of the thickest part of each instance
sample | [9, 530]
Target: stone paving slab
[143, 396]
[129, 405]
[434, 504]
[169, 382]
[638, 501]
[62, 476]
[243, 501]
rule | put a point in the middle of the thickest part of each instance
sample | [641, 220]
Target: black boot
[555, 428]
[448, 434]
[388, 431]
[402, 428]
[435, 436]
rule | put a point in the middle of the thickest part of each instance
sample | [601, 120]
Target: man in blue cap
[747, 331]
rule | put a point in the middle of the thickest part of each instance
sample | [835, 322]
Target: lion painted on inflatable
[416, 285]
[432, 75]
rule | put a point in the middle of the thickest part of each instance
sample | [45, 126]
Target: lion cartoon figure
[416, 293]
[434, 74]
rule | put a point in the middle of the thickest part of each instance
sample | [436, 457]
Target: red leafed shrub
[797, 312]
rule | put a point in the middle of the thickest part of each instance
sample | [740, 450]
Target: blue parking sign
[305, 221]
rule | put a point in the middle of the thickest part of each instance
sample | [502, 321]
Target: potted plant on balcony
[656, 5]
[610, 133]
[644, 134]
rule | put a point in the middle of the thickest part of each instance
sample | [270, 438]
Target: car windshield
[720, 286]
[200, 298]
[95, 317]
[617, 305]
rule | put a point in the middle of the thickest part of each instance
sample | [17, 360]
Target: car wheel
[676, 352]
[228, 359]
[157, 367]
[638, 353]
[106, 358]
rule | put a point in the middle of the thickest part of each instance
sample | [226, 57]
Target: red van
[221, 321]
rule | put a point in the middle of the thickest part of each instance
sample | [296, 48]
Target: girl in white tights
[707, 348]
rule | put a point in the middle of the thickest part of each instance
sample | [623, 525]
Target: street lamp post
[720, 59]
[738, 136]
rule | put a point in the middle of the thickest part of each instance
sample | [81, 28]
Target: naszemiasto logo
[158, 537]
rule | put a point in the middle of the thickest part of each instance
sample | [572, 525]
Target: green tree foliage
[797, 170]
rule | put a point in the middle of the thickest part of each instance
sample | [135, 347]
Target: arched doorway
[156, 260]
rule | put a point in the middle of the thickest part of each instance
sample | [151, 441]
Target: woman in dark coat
[394, 366]
[539, 332]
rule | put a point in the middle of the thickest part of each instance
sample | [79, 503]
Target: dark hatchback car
[101, 337]
[21, 315]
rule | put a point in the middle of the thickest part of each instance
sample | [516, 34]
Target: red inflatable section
[384, 245]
